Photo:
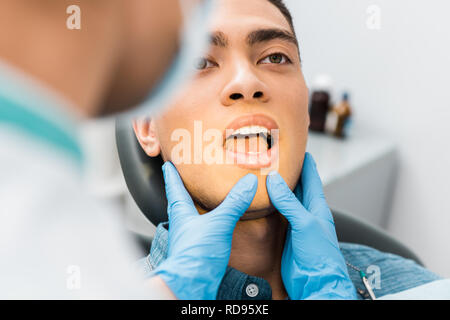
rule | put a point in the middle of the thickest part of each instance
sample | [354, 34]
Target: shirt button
[252, 290]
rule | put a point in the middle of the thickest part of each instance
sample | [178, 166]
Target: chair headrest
[143, 174]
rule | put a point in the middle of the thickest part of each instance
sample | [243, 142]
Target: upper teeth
[251, 130]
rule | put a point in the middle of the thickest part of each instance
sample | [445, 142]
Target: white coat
[56, 241]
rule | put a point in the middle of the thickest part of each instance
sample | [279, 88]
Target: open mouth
[251, 141]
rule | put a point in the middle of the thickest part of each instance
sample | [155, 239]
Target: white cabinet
[358, 174]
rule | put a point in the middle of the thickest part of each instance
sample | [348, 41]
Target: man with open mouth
[250, 97]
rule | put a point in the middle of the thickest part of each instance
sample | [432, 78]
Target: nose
[244, 86]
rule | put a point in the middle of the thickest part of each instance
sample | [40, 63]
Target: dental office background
[394, 59]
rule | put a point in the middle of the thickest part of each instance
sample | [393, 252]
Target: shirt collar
[38, 111]
[235, 284]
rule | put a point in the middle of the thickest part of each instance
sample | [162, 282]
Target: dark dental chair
[144, 179]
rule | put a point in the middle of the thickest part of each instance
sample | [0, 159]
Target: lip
[251, 160]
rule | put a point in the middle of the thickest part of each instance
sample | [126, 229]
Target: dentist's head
[110, 64]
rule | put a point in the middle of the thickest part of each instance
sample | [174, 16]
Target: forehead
[237, 17]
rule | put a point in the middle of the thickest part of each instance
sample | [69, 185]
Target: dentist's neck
[257, 249]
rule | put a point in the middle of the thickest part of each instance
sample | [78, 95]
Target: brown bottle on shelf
[320, 103]
[340, 115]
[318, 110]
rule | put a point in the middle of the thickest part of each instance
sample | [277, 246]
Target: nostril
[235, 96]
[257, 94]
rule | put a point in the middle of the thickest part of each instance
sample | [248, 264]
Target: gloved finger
[313, 197]
[238, 199]
[298, 191]
[284, 200]
[178, 199]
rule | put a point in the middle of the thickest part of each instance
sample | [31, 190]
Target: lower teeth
[248, 144]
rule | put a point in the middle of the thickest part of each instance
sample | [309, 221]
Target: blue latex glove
[312, 266]
[200, 245]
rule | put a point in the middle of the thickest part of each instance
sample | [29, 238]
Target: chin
[261, 206]
[207, 196]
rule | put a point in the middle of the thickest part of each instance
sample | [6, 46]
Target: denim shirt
[387, 273]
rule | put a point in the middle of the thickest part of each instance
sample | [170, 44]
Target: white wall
[399, 80]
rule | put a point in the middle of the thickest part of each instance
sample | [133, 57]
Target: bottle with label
[320, 103]
[339, 117]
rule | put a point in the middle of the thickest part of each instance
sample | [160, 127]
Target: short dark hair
[287, 14]
[285, 11]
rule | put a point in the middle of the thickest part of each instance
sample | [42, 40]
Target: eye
[275, 58]
[203, 63]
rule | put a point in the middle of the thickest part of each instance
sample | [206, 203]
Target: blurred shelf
[358, 173]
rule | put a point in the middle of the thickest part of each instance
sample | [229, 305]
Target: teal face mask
[194, 42]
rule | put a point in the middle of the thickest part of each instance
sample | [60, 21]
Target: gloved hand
[312, 266]
[200, 245]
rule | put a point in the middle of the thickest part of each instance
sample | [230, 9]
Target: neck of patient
[257, 249]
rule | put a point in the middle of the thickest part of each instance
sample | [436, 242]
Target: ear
[145, 131]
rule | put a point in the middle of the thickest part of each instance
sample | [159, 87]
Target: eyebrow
[264, 35]
[219, 39]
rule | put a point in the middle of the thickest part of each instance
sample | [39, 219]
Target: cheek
[208, 185]
[175, 127]
[298, 102]
[187, 123]
[293, 146]
[299, 114]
